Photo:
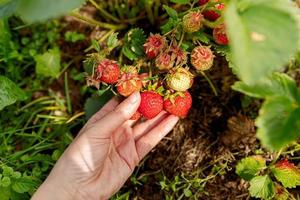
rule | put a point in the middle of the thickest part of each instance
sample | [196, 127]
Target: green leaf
[263, 35]
[9, 92]
[24, 184]
[187, 192]
[72, 36]
[5, 193]
[276, 84]
[278, 122]
[262, 187]
[288, 176]
[181, 1]
[8, 7]
[5, 181]
[248, 168]
[113, 41]
[48, 64]
[171, 12]
[40, 10]
[172, 23]
[94, 104]
[133, 47]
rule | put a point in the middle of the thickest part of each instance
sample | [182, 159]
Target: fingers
[108, 107]
[113, 120]
[151, 139]
[140, 129]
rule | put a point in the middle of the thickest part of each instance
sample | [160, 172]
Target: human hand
[105, 152]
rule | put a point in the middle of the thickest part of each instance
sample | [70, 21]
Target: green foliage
[262, 187]
[38, 10]
[72, 36]
[258, 32]
[289, 177]
[9, 92]
[278, 123]
[134, 41]
[249, 167]
[48, 64]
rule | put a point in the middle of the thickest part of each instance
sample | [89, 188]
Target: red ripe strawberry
[136, 116]
[192, 22]
[151, 104]
[211, 14]
[108, 71]
[129, 81]
[202, 2]
[285, 164]
[154, 45]
[220, 36]
[202, 58]
[179, 105]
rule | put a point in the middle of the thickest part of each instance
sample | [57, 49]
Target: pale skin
[105, 152]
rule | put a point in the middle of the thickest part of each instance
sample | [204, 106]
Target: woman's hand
[105, 153]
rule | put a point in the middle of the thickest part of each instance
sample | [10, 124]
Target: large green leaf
[38, 10]
[24, 184]
[263, 35]
[48, 64]
[9, 92]
[276, 84]
[262, 187]
[278, 122]
[248, 168]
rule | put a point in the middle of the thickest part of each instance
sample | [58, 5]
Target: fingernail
[133, 98]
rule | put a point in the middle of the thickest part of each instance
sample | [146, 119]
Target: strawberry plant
[269, 181]
[164, 50]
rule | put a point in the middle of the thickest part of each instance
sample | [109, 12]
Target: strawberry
[220, 36]
[192, 22]
[129, 81]
[108, 71]
[202, 58]
[179, 105]
[211, 14]
[203, 2]
[136, 116]
[179, 79]
[151, 104]
[179, 55]
[164, 61]
[154, 45]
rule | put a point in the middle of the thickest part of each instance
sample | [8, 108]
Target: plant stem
[67, 93]
[104, 13]
[97, 23]
[150, 13]
[210, 83]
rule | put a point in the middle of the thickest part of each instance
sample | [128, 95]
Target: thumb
[123, 112]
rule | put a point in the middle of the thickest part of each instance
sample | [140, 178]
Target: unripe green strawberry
[202, 58]
[108, 71]
[179, 105]
[154, 45]
[220, 36]
[164, 61]
[180, 79]
[151, 104]
[192, 22]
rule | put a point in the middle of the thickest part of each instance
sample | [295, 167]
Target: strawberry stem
[103, 12]
[210, 83]
[97, 23]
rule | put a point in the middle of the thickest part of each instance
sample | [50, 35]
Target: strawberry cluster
[164, 77]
